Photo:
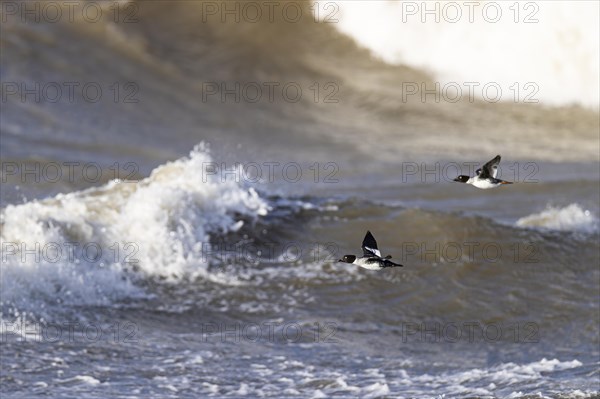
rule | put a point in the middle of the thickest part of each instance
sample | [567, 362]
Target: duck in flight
[485, 177]
[371, 258]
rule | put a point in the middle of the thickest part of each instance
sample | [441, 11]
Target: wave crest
[569, 218]
[152, 228]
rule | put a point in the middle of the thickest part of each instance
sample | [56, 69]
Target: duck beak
[506, 182]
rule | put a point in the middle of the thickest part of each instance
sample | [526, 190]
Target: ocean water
[172, 228]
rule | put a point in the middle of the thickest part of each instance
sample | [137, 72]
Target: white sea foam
[81, 379]
[161, 222]
[375, 390]
[503, 374]
[569, 218]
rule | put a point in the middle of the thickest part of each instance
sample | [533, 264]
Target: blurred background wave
[372, 95]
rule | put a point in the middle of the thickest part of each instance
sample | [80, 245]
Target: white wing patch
[495, 171]
[375, 251]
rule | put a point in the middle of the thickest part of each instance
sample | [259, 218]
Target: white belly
[482, 183]
[363, 263]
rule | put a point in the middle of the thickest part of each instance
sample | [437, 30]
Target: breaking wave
[89, 247]
[569, 218]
